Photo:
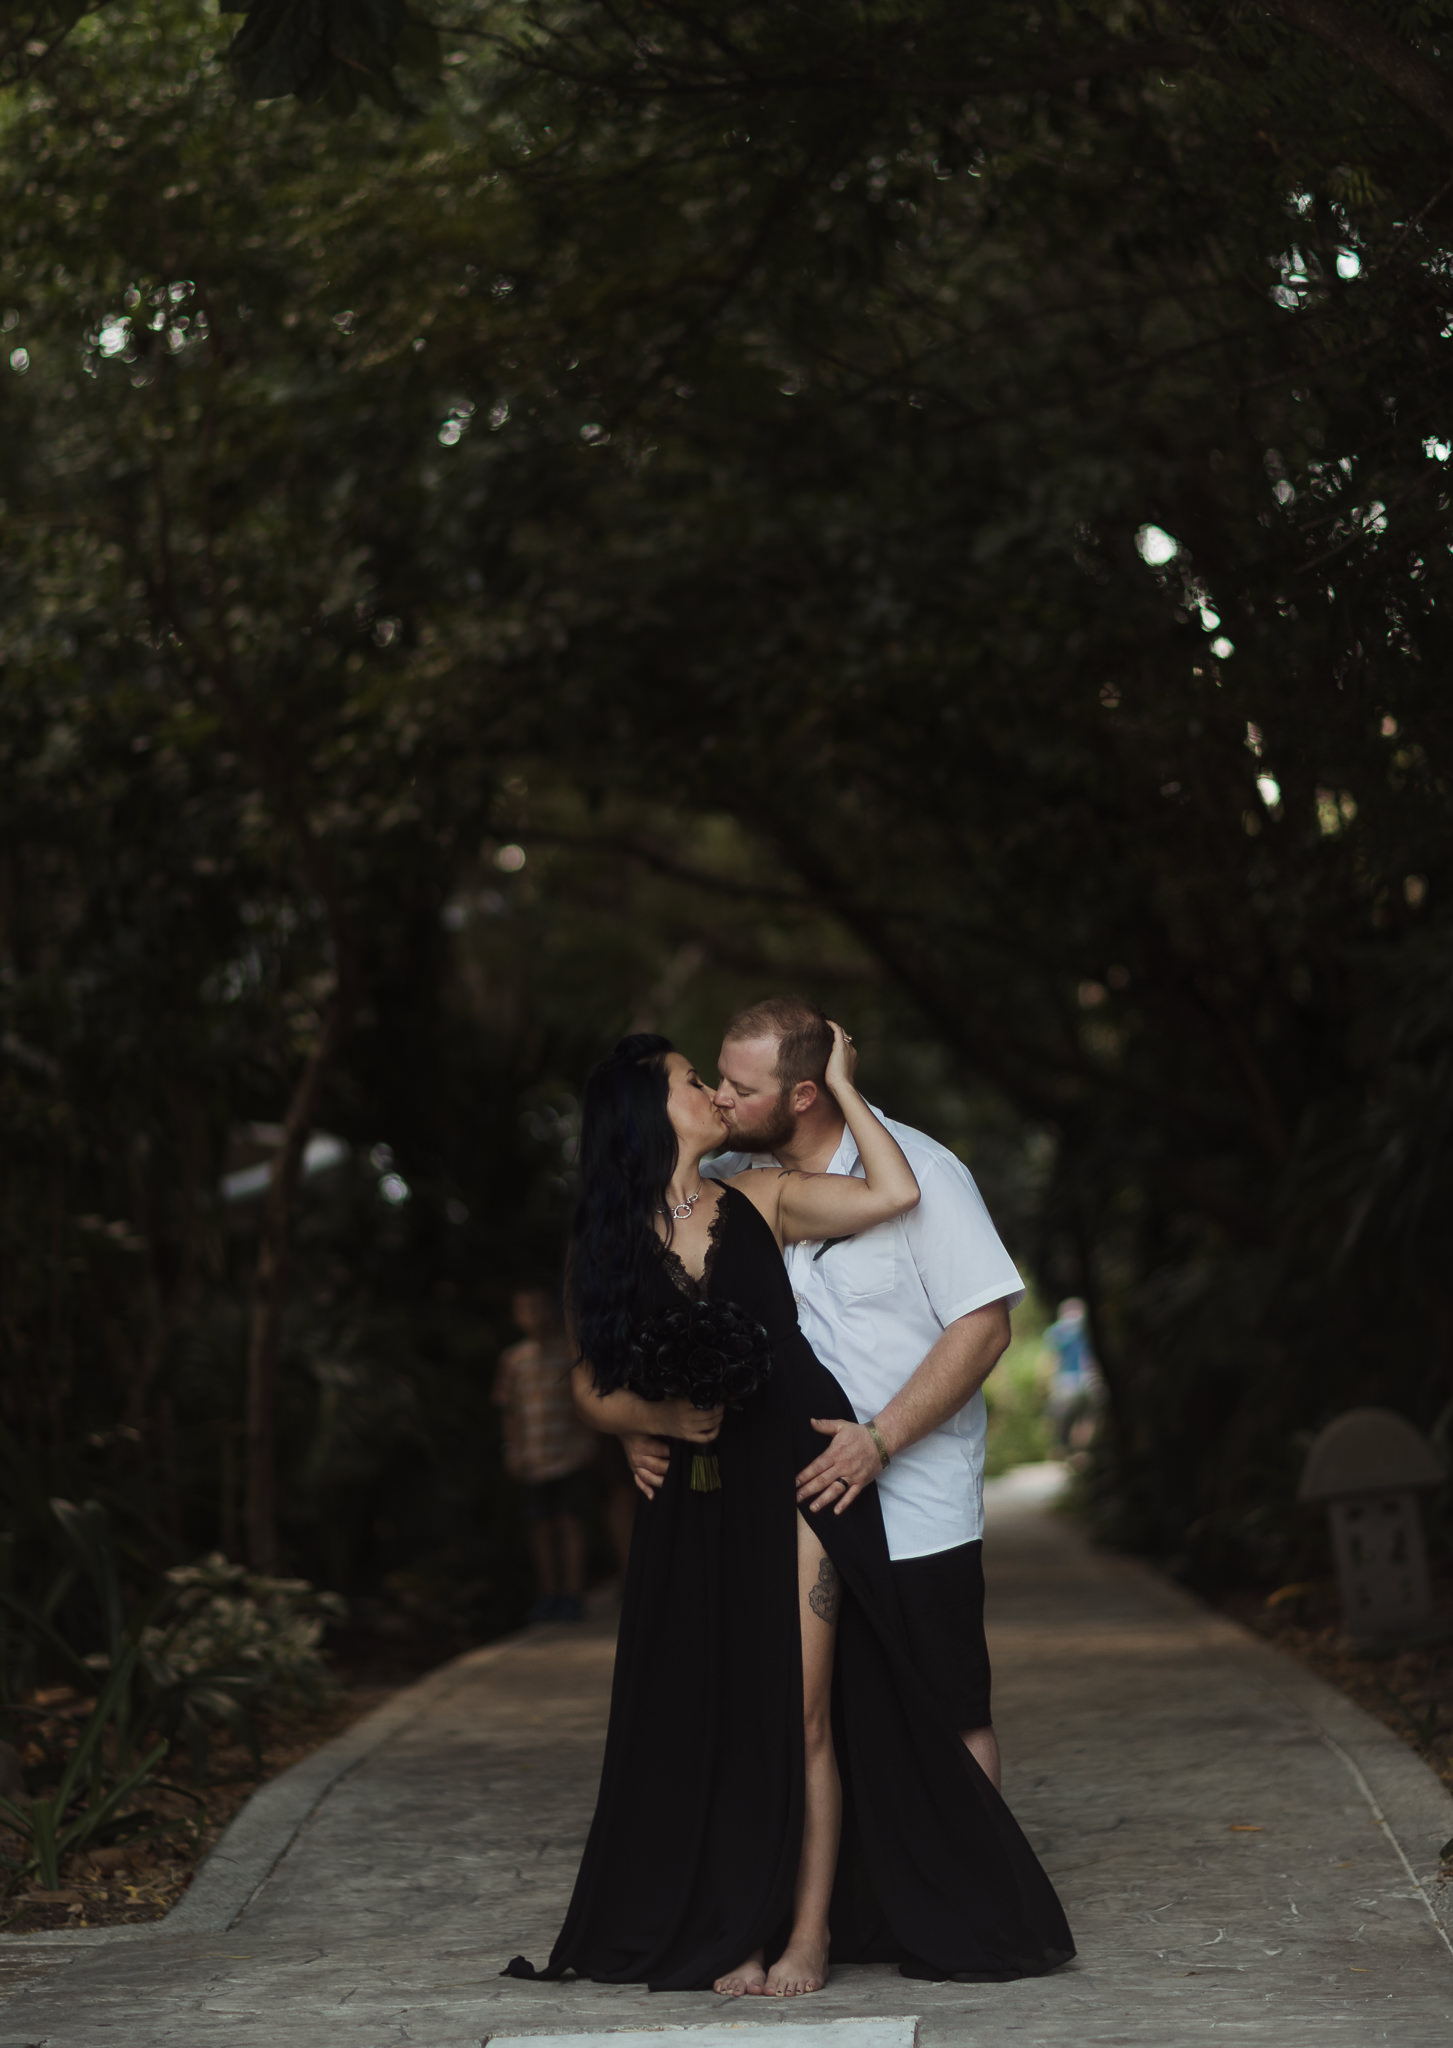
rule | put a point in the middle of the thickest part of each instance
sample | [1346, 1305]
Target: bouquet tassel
[705, 1473]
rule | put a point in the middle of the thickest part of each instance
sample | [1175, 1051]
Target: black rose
[710, 1353]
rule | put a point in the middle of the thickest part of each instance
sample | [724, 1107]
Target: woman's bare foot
[802, 1966]
[747, 1978]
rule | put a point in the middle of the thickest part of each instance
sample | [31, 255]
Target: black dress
[692, 1856]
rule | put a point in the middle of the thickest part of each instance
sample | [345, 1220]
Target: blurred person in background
[548, 1451]
[1074, 1386]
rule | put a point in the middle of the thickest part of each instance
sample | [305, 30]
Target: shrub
[226, 1621]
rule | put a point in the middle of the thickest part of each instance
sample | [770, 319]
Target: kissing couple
[786, 1305]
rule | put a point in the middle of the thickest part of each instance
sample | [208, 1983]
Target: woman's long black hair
[628, 1154]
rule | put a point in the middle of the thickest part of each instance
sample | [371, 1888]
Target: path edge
[1403, 1793]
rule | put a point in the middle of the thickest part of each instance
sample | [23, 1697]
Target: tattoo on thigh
[826, 1596]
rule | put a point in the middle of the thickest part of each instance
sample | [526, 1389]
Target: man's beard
[776, 1129]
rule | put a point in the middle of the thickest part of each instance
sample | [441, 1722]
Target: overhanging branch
[1363, 39]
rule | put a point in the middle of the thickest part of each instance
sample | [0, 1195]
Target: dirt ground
[142, 1881]
[381, 1648]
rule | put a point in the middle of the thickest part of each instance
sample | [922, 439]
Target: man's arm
[642, 1426]
[949, 1376]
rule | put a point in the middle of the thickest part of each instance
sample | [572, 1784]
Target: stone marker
[827, 2033]
[1368, 1466]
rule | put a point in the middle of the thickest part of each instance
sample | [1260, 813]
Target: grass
[1019, 1431]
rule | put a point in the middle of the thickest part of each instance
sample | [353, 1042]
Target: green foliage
[333, 51]
[203, 1650]
[1157, 839]
[226, 1622]
[115, 1752]
[1019, 1428]
[329, 50]
[91, 1803]
[710, 455]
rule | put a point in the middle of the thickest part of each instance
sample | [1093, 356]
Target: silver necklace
[682, 1212]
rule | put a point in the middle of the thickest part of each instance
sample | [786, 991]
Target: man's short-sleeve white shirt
[873, 1306]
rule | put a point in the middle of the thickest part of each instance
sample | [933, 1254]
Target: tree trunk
[270, 1285]
[281, 776]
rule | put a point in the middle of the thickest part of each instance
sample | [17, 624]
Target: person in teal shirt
[1074, 1388]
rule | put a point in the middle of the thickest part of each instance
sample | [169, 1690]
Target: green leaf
[95, 1815]
[88, 1530]
[280, 49]
[79, 1673]
[45, 1848]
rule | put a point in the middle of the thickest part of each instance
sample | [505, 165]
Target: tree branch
[1073, 71]
[1364, 41]
[680, 82]
[674, 870]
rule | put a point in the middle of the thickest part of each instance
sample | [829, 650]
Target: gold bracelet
[877, 1435]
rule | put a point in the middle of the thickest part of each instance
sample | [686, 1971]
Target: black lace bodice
[681, 1278]
[743, 1265]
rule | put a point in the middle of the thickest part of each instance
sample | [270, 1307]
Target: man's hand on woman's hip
[851, 1461]
[649, 1458]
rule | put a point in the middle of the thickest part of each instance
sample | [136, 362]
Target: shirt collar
[847, 1155]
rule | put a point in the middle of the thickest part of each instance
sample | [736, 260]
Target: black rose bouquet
[709, 1353]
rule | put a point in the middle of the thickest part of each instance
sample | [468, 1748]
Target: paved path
[1243, 1854]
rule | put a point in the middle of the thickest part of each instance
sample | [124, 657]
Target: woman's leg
[983, 1746]
[802, 1966]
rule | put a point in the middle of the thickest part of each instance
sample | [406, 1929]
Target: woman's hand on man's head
[842, 1061]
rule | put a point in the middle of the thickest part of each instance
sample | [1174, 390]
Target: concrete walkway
[1243, 1855]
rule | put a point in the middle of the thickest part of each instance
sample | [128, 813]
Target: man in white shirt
[911, 1317]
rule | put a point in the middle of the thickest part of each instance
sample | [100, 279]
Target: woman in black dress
[774, 1767]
